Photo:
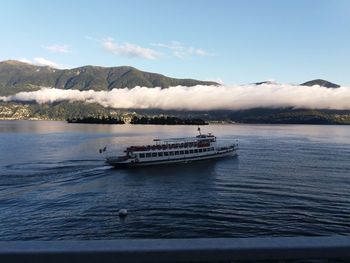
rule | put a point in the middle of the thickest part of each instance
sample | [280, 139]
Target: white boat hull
[131, 163]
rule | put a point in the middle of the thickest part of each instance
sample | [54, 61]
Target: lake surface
[289, 180]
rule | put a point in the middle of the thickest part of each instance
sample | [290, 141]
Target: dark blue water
[289, 180]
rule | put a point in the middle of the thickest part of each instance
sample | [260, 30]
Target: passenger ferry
[176, 150]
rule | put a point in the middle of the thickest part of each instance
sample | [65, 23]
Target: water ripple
[287, 181]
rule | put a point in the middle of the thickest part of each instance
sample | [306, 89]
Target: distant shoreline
[208, 123]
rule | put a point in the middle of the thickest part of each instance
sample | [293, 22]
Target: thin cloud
[24, 60]
[200, 97]
[93, 39]
[176, 49]
[40, 61]
[129, 50]
[180, 50]
[58, 48]
[45, 62]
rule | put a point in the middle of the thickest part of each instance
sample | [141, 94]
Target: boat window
[196, 151]
[200, 150]
[171, 153]
[160, 154]
[191, 151]
[154, 154]
[176, 152]
[205, 149]
[186, 152]
[142, 155]
[166, 153]
[148, 154]
[212, 148]
[181, 152]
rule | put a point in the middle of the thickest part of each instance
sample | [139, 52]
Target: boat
[173, 150]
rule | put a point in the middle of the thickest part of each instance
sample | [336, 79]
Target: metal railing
[178, 250]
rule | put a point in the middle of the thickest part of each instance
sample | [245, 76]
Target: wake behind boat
[175, 150]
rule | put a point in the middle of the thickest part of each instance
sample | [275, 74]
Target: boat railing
[167, 146]
[270, 249]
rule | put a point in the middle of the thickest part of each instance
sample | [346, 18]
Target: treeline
[291, 116]
[138, 120]
[97, 120]
[166, 121]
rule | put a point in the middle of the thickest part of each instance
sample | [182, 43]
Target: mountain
[269, 82]
[320, 82]
[17, 76]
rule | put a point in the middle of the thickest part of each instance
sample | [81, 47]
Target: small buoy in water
[122, 212]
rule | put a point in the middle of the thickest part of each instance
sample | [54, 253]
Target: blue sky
[233, 41]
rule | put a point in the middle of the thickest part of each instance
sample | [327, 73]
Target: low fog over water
[234, 97]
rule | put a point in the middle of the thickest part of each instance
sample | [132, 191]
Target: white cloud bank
[200, 97]
[129, 50]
